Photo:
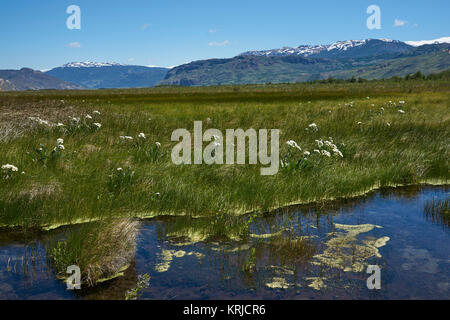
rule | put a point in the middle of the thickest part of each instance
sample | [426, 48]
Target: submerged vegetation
[71, 157]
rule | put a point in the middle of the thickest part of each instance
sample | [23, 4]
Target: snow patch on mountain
[423, 42]
[89, 64]
[307, 50]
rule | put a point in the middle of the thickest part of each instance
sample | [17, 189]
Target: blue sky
[167, 33]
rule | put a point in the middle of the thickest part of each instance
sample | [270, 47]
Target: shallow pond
[303, 252]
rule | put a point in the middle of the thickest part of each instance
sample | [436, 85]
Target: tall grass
[380, 147]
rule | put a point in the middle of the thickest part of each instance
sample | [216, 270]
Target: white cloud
[74, 45]
[212, 31]
[400, 23]
[131, 59]
[219, 44]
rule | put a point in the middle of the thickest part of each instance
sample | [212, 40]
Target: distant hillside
[250, 68]
[29, 79]
[108, 75]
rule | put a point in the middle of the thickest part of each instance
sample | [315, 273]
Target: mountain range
[369, 58]
[94, 75]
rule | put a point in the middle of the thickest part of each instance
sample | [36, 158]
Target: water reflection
[314, 251]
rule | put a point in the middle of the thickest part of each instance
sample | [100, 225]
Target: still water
[304, 252]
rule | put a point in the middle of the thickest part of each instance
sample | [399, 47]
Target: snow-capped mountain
[423, 42]
[333, 49]
[89, 64]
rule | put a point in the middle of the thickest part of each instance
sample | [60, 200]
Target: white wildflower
[338, 152]
[293, 144]
[330, 144]
[319, 143]
[326, 153]
[98, 125]
[119, 169]
[313, 126]
[306, 153]
[126, 138]
[316, 151]
[401, 111]
[401, 102]
[141, 135]
[158, 144]
[60, 124]
[96, 112]
[88, 117]
[359, 123]
[60, 141]
[61, 147]
[10, 167]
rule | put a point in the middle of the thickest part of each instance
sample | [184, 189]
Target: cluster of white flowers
[293, 144]
[9, 167]
[313, 127]
[59, 145]
[85, 124]
[330, 145]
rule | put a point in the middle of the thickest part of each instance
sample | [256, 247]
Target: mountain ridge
[29, 79]
[96, 75]
[374, 59]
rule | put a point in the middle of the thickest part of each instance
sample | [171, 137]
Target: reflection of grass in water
[100, 249]
[219, 227]
[286, 250]
[438, 211]
[135, 293]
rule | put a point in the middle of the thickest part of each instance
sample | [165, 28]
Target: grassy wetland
[71, 157]
[388, 134]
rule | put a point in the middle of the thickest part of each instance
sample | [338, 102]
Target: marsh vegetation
[98, 161]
